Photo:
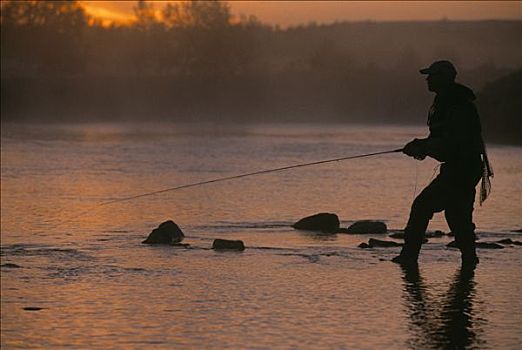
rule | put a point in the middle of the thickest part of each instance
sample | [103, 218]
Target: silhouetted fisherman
[455, 139]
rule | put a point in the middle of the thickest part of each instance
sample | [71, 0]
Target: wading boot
[468, 250]
[469, 257]
[410, 250]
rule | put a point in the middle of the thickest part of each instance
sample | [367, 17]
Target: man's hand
[415, 149]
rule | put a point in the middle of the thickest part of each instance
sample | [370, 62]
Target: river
[88, 282]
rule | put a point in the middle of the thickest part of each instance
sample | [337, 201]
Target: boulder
[377, 243]
[166, 233]
[226, 244]
[367, 226]
[324, 222]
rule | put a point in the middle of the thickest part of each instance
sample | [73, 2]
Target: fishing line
[417, 177]
[437, 167]
[170, 189]
[416, 180]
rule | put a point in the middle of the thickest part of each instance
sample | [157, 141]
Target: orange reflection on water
[100, 288]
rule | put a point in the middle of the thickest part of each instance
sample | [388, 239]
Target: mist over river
[74, 274]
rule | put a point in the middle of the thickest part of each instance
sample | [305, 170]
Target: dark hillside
[58, 64]
[500, 104]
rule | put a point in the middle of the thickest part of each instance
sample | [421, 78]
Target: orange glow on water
[91, 284]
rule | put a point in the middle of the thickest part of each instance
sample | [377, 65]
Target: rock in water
[434, 234]
[401, 235]
[452, 244]
[509, 241]
[166, 233]
[489, 245]
[226, 244]
[482, 245]
[33, 308]
[367, 226]
[397, 235]
[377, 243]
[372, 242]
[11, 266]
[324, 222]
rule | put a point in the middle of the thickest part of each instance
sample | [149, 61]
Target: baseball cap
[441, 67]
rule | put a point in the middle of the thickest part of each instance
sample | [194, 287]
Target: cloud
[108, 11]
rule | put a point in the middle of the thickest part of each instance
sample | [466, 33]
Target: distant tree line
[193, 38]
[194, 60]
[501, 107]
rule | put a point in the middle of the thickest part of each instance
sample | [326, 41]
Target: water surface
[95, 286]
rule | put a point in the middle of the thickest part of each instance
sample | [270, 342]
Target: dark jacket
[455, 132]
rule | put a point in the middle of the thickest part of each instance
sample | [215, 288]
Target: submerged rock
[429, 234]
[434, 234]
[324, 222]
[380, 243]
[11, 266]
[366, 226]
[181, 245]
[482, 245]
[166, 233]
[509, 241]
[397, 235]
[377, 243]
[33, 308]
[489, 245]
[227, 244]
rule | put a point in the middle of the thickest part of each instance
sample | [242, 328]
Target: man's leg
[431, 200]
[459, 217]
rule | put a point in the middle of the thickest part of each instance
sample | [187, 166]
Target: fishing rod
[124, 199]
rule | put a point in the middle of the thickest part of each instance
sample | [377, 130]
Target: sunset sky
[289, 13]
